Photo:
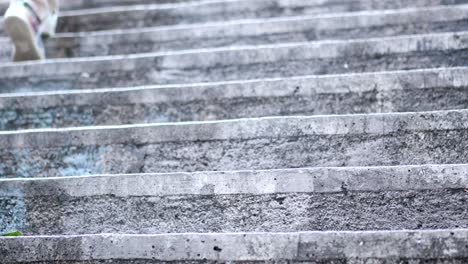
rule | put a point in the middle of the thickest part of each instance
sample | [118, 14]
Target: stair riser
[205, 12]
[81, 4]
[247, 63]
[280, 260]
[443, 89]
[415, 148]
[145, 42]
[266, 32]
[392, 172]
[216, 12]
[247, 144]
[278, 200]
[238, 213]
[314, 247]
[410, 22]
[337, 6]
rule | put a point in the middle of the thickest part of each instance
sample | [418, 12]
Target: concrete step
[84, 4]
[204, 11]
[432, 246]
[338, 5]
[400, 91]
[259, 143]
[358, 198]
[257, 31]
[351, 173]
[156, 14]
[235, 63]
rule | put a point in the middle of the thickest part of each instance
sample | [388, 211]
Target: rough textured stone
[402, 91]
[203, 11]
[350, 173]
[406, 197]
[386, 210]
[332, 5]
[447, 246]
[234, 63]
[268, 143]
[175, 12]
[259, 31]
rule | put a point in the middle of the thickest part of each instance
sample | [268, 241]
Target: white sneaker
[24, 28]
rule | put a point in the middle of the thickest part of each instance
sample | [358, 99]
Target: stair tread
[374, 123]
[257, 31]
[256, 182]
[396, 91]
[215, 10]
[394, 245]
[239, 131]
[255, 143]
[243, 62]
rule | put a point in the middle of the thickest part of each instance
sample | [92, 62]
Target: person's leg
[47, 10]
[26, 21]
[40, 7]
[53, 4]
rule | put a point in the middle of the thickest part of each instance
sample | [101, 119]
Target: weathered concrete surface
[403, 197]
[83, 4]
[234, 63]
[204, 11]
[336, 5]
[400, 91]
[156, 14]
[255, 182]
[257, 31]
[331, 5]
[447, 246]
[265, 143]
[344, 197]
[385, 210]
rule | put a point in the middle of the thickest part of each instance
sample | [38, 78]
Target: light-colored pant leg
[43, 8]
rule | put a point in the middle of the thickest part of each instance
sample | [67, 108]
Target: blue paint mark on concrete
[12, 210]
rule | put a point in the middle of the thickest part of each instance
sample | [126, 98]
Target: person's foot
[23, 26]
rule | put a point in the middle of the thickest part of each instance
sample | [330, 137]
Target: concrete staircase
[251, 131]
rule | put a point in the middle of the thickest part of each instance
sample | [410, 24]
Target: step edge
[320, 180]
